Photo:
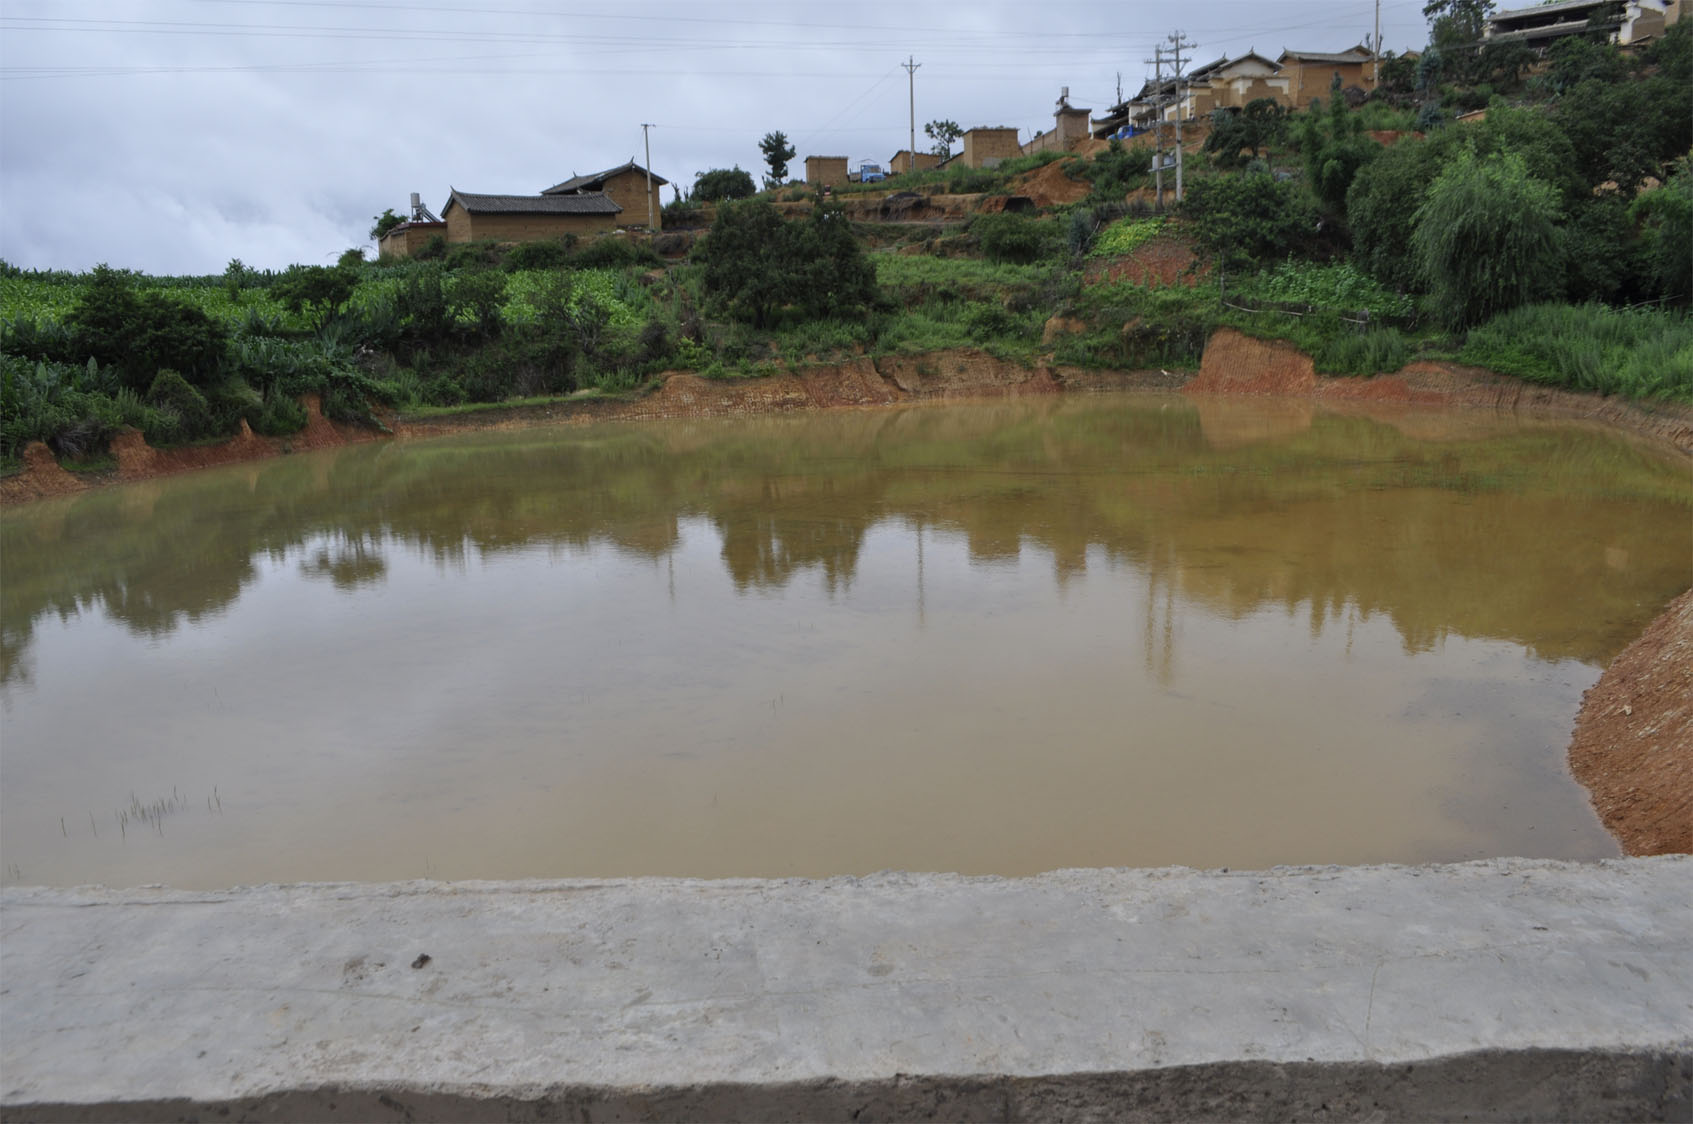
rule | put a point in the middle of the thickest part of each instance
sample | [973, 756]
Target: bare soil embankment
[43, 477]
[1633, 744]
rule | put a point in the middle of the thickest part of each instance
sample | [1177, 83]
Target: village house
[630, 186]
[1543, 24]
[825, 171]
[527, 218]
[988, 146]
[1311, 74]
[1069, 128]
[902, 161]
[408, 238]
[1239, 81]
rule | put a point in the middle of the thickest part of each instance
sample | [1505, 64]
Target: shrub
[281, 416]
[1248, 218]
[171, 393]
[615, 253]
[1007, 237]
[550, 253]
[1117, 171]
[142, 333]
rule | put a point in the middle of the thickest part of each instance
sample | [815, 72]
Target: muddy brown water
[990, 638]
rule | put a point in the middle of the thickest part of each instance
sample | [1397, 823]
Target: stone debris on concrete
[1505, 989]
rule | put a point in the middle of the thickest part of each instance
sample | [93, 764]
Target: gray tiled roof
[596, 180]
[588, 203]
[1353, 54]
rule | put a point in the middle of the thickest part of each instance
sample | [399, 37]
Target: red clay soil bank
[1633, 745]
[1237, 364]
[1163, 260]
[42, 477]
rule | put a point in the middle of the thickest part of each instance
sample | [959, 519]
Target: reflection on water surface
[993, 638]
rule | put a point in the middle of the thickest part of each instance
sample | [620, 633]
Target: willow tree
[1486, 238]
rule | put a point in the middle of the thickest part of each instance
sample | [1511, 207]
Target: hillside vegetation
[1549, 241]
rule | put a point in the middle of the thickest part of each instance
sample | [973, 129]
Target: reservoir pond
[992, 637]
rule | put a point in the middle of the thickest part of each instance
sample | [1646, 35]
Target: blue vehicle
[871, 173]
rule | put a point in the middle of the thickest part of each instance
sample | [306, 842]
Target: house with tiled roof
[1311, 74]
[472, 217]
[1541, 25]
[629, 185]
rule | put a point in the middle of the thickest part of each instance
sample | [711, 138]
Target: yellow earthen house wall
[1312, 80]
[405, 242]
[900, 163]
[830, 170]
[465, 227]
[981, 145]
[629, 191]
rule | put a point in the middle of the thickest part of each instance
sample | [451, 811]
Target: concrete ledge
[1504, 990]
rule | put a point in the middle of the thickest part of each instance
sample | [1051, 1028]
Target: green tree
[1456, 29]
[720, 184]
[1261, 123]
[1382, 202]
[1625, 131]
[1666, 216]
[754, 264]
[1335, 147]
[315, 291]
[1380, 207]
[385, 222]
[1486, 239]
[777, 152]
[942, 133]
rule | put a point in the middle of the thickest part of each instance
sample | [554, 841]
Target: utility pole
[911, 66]
[1375, 52]
[1177, 46]
[646, 142]
[1157, 61]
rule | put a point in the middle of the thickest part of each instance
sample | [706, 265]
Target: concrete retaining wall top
[337, 999]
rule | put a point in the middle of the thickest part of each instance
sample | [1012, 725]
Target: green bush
[614, 252]
[141, 333]
[1248, 218]
[171, 394]
[1008, 237]
[280, 417]
[549, 253]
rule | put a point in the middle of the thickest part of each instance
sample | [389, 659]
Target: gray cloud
[173, 135]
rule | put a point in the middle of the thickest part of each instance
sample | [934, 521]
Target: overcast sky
[173, 135]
